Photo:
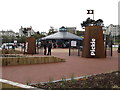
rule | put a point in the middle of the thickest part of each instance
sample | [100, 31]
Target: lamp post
[1, 45]
[114, 33]
[111, 43]
[105, 45]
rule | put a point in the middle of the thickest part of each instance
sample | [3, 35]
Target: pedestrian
[49, 48]
[119, 48]
[54, 45]
[3, 47]
[45, 48]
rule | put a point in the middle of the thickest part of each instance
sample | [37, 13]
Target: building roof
[61, 35]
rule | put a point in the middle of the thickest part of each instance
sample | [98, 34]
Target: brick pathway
[74, 65]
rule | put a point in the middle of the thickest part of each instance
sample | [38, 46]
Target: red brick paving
[73, 65]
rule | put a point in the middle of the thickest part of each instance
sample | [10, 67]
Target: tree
[8, 39]
[52, 30]
[21, 39]
[5, 39]
[38, 32]
[80, 33]
[37, 36]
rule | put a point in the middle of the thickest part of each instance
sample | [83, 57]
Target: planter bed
[5, 55]
[11, 51]
[6, 61]
[9, 85]
[104, 80]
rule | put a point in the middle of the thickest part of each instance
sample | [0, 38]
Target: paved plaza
[74, 65]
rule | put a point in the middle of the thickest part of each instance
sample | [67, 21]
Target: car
[116, 46]
[7, 46]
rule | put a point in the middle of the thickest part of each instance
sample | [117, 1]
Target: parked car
[7, 46]
[116, 46]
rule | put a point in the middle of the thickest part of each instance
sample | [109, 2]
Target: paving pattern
[74, 65]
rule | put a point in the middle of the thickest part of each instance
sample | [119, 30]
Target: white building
[9, 33]
[71, 29]
[26, 31]
[68, 29]
[113, 30]
[44, 33]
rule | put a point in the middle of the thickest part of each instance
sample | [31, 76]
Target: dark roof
[61, 35]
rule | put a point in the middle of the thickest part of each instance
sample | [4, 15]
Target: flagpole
[93, 14]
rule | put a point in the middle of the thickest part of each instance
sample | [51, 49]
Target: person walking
[49, 48]
[45, 48]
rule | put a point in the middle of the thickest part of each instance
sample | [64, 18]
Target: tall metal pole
[105, 42]
[69, 47]
[111, 43]
[111, 47]
[114, 38]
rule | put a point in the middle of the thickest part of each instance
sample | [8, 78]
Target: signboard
[93, 45]
[92, 50]
[15, 41]
[73, 43]
[31, 45]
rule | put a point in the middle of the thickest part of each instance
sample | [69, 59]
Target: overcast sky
[41, 14]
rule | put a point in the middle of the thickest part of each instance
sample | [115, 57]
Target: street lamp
[111, 43]
[105, 42]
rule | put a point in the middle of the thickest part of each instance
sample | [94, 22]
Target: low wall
[13, 85]
[6, 61]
